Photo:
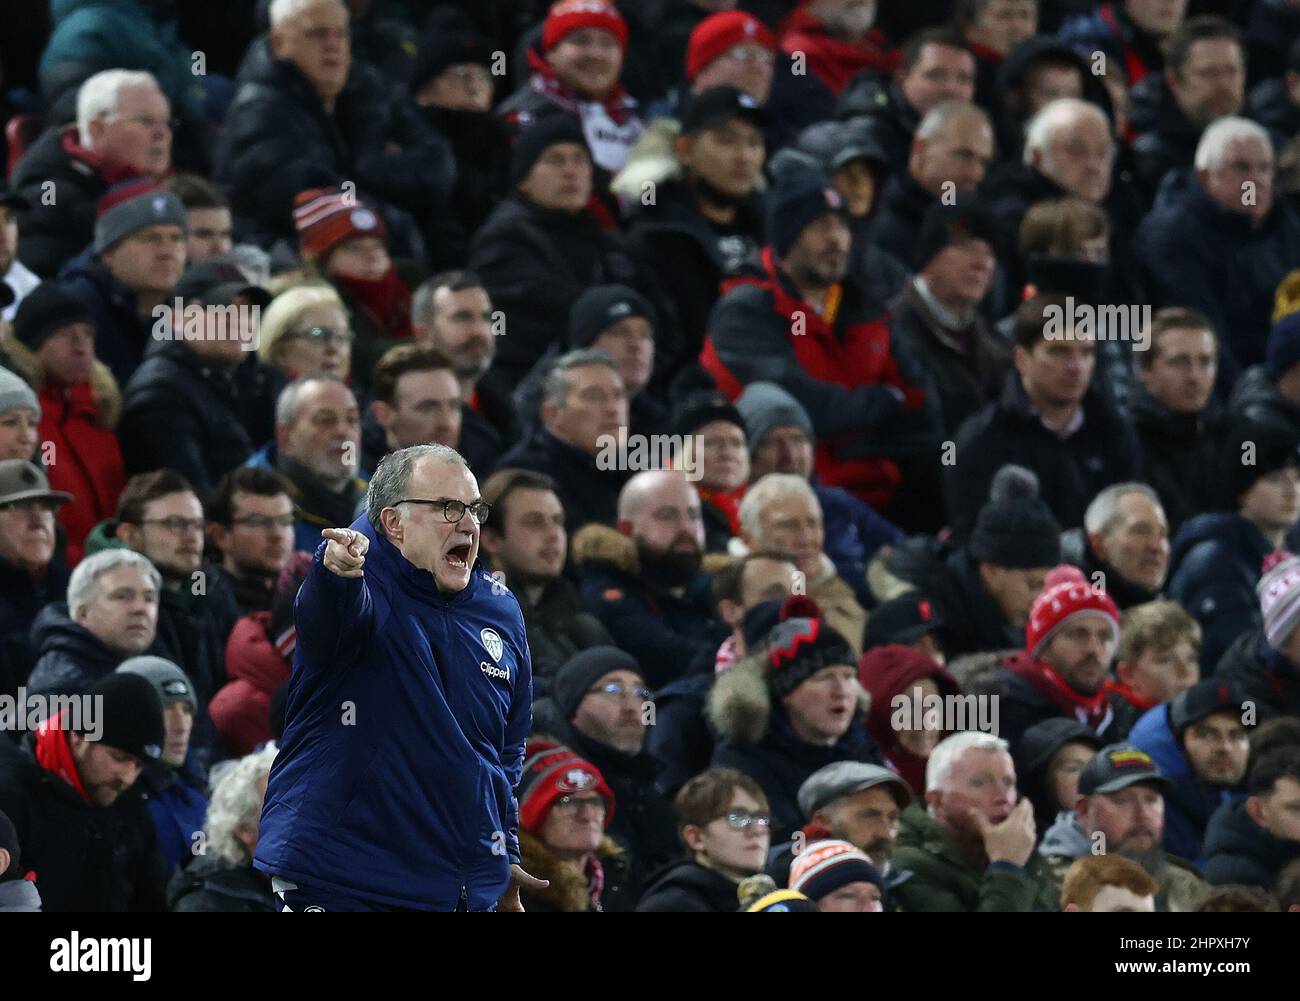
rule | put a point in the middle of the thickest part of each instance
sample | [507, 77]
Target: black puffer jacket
[68, 656]
[558, 627]
[55, 232]
[21, 600]
[885, 111]
[534, 263]
[278, 140]
[183, 413]
[1200, 255]
[1166, 138]
[687, 886]
[972, 618]
[1265, 675]
[588, 492]
[1238, 850]
[1178, 453]
[1255, 397]
[897, 223]
[1071, 470]
[1270, 104]
[86, 858]
[211, 884]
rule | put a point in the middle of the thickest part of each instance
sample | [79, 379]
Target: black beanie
[602, 306]
[1271, 449]
[583, 670]
[702, 408]
[9, 842]
[800, 198]
[130, 714]
[802, 644]
[538, 137]
[45, 311]
[1015, 528]
[446, 49]
[944, 225]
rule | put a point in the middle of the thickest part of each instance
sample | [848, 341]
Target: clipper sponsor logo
[102, 955]
[492, 671]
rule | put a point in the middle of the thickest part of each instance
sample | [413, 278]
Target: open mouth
[458, 556]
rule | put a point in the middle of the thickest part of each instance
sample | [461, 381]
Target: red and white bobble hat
[1066, 593]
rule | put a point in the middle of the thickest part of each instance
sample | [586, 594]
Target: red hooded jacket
[887, 672]
[830, 60]
[256, 666]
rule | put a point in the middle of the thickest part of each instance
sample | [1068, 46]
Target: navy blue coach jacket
[406, 719]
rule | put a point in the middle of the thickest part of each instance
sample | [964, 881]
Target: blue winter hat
[1282, 349]
[799, 199]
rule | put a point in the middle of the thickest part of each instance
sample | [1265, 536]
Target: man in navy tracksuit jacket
[407, 712]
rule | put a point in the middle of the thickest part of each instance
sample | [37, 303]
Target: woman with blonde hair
[306, 329]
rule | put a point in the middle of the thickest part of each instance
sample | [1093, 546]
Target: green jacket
[942, 880]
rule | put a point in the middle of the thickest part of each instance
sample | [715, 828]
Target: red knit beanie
[572, 15]
[326, 217]
[1066, 593]
[550, 771]
[719, 32]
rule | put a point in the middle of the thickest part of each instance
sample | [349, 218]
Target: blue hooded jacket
[1191, 802]
[406, 719]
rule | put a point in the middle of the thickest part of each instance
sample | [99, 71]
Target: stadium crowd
[889, 415]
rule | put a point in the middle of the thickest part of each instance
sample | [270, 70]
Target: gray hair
[945, 113]
[286, 404]
[84, 586]
[235, 803]
[100, 95]
[393, 476]
[772, 487]
[949, 750]
[1221, 134]
[555, 387]
[1103, 512]
[287, 10]
[1055, 116]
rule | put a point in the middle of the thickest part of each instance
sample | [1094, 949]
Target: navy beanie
[799, 199]
[1282, 349]
[581, 671]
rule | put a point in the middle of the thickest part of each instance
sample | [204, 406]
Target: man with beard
[813, 328]
[971, 848]
[92, 848]
[600, 707]
[1200, 741]
[644, 583]
[250, 520]
[1069, 643]
[1127, 543]
[526, 545]
[1121, 810]
[453, 313]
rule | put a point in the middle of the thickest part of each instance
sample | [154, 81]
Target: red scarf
[727, 503]
[1093, 711]
[54, 755]
[386, 299]
[986, 54]
[832, 61]
[619, 105]
[110, 170]
[1127, 694]
[595, 880]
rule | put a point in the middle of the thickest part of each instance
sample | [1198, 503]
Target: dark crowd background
[982, 319]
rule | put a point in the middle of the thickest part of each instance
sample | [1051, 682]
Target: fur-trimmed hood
[597, 543]
[652, 161]
[740, 705]
[104, 390]
[568, 889]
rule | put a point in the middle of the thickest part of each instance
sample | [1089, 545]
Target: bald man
[646, 586]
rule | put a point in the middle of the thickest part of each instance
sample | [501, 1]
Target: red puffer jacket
[256, 667]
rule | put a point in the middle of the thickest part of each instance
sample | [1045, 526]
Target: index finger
[343, 536]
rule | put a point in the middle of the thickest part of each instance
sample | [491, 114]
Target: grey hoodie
[1065, 838]
[19, 895]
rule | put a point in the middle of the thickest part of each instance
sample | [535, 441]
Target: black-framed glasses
[740, 820]
[615, 689]
[454, 510]
[324, 335]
